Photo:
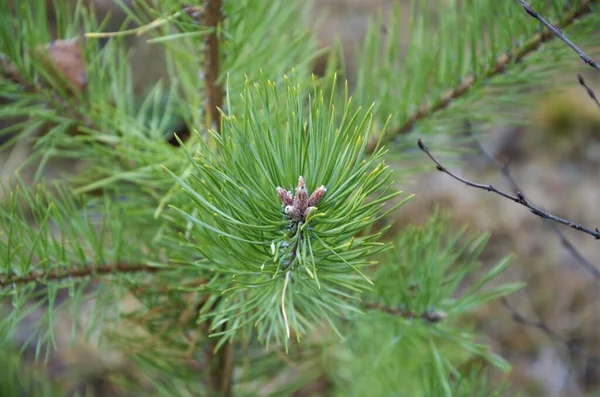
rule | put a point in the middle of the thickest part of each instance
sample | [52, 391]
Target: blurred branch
[572, 347]
[78, 273]
[516, 55]
[563, 239]
[518, 198]
[589, 90]
[213, 16]
[559, 34]
[220, 362]
[431, 316]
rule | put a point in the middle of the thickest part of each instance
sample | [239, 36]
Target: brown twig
[573, 348]
[220, 362]
[589, 90]
[517, 190]
[497, 68]
[55, 275]
[559, 34]
[213, 16]
[518, 198]
[431, 316]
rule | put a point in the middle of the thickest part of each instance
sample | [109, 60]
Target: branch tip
[518, 198]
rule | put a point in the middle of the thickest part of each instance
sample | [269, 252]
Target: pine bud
[301, 184]
[285, 196]
[298, 207]
[292, 212]
[308, 211]
[434, 316]
[316, 197]
[301, 198]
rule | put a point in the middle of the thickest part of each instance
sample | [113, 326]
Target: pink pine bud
[301, 198]
[293, 212]
[285, 196]
[317, 196]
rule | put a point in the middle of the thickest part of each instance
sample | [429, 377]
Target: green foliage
[479, 57]
[15, 380]
[228, 259]
[245, 237]
[431, 267]
[427, 282]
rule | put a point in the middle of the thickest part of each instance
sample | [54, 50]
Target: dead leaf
[68, 59]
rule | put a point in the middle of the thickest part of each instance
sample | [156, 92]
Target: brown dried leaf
[68, 59]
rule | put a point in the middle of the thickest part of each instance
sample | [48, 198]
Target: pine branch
[557, 32]
[431, 316]
[517, 190]
[518, 198]
[55, 275]
[221, 368]
[464, 87]
[213, 17]
[220, 361]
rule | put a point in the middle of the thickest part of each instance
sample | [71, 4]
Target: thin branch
[214, 92]
[431, 316]
[573, 348]
[559, 34]
[518, 54]
[518, 198]
[78, 273]
[517, 190]
[589, 90]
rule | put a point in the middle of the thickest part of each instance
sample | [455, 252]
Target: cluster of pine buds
[298, 207]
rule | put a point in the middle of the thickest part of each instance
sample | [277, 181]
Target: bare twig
[518, 54]
[77, 273]
[517, 190]
[559, 34]
[572, 347]
[213, 17]
[518, 198]
[431, 316]
[590, 92]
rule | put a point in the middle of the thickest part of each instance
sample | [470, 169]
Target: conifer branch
[431, 316]
[561, 236]
[517, 198]
[213, 16]
[220, 363]
[557, 32]
[55, 275]
[516, 55]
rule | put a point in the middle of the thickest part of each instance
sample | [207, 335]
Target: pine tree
[229, 231]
